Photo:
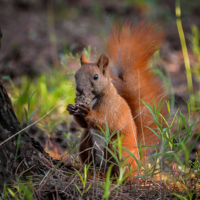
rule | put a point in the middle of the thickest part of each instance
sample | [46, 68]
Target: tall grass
[185, 53]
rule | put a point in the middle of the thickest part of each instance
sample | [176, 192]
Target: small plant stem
[185, 52]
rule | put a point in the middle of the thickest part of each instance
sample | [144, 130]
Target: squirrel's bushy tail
[130, 49]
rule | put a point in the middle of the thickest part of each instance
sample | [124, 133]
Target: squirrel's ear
[83, 58]
[103, 63]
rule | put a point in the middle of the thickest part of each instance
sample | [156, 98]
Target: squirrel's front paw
[71, 108]
[82, 109]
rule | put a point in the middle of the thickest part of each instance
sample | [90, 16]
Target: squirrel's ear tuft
[83, 58]
[103, 63]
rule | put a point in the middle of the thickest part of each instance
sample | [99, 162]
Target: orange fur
[130, 50]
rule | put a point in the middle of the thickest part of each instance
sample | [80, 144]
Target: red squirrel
[110, 91]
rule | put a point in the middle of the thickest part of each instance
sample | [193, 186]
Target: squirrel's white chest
[98, 146]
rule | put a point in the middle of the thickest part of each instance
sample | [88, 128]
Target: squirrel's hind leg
[85, 148]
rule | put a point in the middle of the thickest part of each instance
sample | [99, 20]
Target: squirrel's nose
[79, 90]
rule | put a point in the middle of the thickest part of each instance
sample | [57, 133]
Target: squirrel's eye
[95, 76]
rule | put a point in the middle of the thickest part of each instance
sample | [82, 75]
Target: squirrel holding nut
[109, 93]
